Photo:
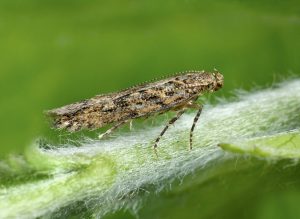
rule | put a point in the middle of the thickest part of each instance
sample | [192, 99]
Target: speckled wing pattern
[140, 101]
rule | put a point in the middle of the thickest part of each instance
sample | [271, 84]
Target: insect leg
[194, 124]
[117, 125]
[172, 121]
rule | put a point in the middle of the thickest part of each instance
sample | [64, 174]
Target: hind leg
[113, 128]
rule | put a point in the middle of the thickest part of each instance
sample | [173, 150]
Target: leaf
[280, 145]
[99, 178]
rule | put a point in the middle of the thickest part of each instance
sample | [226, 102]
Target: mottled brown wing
[143, 100]
[83, 114]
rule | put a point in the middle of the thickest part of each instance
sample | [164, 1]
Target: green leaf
[280, 145]
[101, 177]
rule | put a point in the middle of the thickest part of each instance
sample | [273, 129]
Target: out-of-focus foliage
[58, 52]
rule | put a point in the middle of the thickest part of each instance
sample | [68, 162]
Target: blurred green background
[57, 52]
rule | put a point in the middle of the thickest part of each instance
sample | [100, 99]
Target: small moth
[176, 93]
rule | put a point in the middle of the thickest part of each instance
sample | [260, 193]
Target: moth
[177, 93]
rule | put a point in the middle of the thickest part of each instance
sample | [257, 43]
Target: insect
[177, 93]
